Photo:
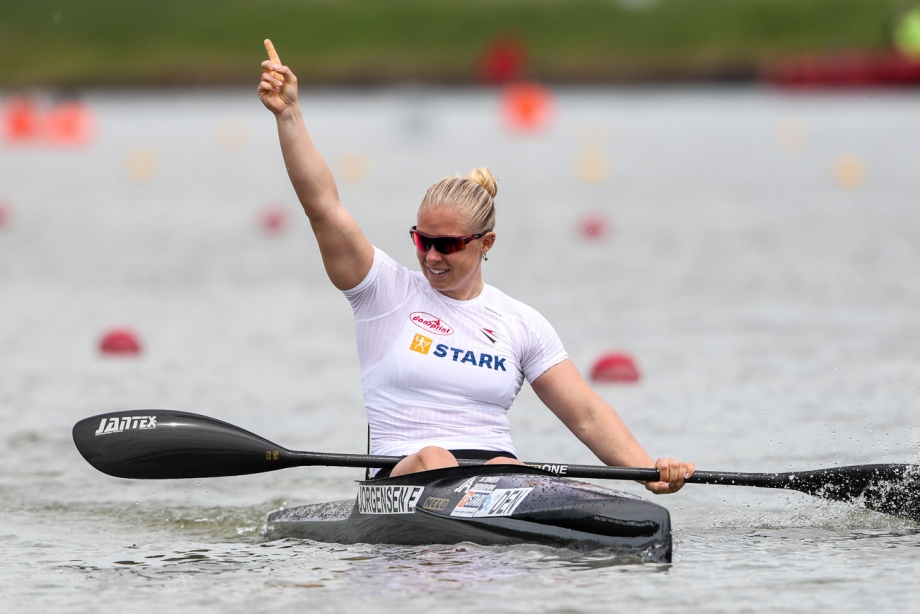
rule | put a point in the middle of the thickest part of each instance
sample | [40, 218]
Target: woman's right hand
[671, 473]
[278, 87]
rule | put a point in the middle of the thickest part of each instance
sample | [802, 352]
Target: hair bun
[483, 177]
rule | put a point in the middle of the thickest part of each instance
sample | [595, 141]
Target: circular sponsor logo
[428, 322]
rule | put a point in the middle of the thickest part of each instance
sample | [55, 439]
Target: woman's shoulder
[497, 301]
[386, 275]
[386, 261]
[526, 328]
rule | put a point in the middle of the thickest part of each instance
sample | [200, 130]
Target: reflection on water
[384, 570]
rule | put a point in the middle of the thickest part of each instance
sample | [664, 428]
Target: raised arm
[598, 426]
[347, 254]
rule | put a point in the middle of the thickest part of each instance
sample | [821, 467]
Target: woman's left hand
[672, 473]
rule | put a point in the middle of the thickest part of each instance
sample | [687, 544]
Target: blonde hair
[472, 196]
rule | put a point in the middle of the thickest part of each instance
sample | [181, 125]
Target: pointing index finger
[272, 54]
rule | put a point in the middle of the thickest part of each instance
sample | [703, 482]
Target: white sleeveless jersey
[438, 371]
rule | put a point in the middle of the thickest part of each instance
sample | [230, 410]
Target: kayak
[488, 505]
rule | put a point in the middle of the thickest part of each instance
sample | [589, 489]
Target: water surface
[761, 265]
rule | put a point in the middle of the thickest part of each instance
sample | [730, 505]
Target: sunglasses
[444, 245]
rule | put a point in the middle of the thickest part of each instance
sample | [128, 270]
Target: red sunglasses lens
[448, 245]
[444, 245]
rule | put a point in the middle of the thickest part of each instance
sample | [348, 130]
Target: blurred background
[713, 201]
[64, 44]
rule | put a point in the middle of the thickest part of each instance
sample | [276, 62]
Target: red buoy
[21, 121]
[69, 123]
[527, 106]
[274, 219]
[4, 215]
[503, 59]
[615, 368]
[594, 226]
[120, 342]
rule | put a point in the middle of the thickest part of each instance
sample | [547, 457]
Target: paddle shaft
[803, 480]
[291, 458]
[889, 489]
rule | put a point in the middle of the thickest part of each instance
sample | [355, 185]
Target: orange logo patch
[420, 344]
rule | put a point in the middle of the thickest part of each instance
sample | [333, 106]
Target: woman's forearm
[603, 431]
[600, 428]
[589, 417]
[309, 174]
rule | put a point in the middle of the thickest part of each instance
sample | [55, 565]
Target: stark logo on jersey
[422, 345]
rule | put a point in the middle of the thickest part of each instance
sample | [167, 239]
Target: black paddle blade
[165, 444]
[889, 489]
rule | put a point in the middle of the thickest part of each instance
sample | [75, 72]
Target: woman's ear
[488, 240]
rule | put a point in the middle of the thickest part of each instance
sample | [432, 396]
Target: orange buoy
[849, 171]
[594, 226]
[120, 342]
[615, 368]
[68, 123]
[274, 219]
[592, 166]
[21, 121]
[527, 106]
[503, 59]
[143, 164]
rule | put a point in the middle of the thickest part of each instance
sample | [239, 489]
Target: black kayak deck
[487, 505]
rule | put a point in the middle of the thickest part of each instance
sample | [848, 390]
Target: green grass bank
[86, 43]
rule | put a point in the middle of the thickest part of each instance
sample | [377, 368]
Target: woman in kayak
[443, 355]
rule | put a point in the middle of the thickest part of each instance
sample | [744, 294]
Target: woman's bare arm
[346, 252]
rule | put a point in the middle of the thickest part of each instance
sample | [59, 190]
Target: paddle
[164, 444]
